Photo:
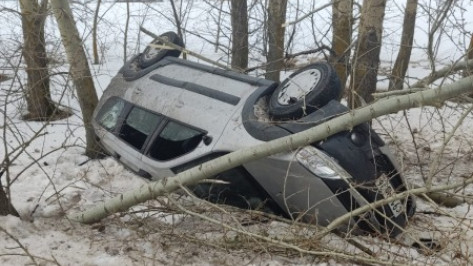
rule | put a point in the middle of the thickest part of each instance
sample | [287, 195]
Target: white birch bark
[344, 122]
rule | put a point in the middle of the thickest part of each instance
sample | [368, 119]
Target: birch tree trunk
[239, 14]
[276, 18]
[79, 70]
[342, 23]
[38, 96]
[366, 58]
[403, 57]
[344, 122]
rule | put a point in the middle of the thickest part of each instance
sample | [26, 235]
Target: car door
[124, 130]
[137, 128]
[173, 145]
[110, 120]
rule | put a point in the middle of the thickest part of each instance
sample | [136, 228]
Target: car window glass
[142, 120]
[138, 125]
[175, 140]
[111, 110]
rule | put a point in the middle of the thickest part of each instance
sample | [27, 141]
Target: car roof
[199, 95]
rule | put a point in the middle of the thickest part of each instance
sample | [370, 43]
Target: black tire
[311, 87]
[151, 55]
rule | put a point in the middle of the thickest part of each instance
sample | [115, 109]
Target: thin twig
[20, 245]
[332, 254]
[307, 15]
[184, 50]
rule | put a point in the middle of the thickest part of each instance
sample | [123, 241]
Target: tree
[366, 57]
[239, 14]
[276, 19]
[403, 57]
[342, 23]
[38, 96]
[79, 70]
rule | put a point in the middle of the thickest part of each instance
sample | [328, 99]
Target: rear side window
[108, 115]
[138, 125]
[175, 140]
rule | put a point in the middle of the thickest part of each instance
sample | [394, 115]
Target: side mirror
[207, 140]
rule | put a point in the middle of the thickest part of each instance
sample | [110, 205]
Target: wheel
[153, 53]
[305, 91]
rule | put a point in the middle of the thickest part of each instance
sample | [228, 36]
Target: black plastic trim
[202, 90]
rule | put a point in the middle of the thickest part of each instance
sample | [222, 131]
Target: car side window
[175, 140]
[108, 115]
[138, 125]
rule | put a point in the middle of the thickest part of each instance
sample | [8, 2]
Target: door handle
[116, 155]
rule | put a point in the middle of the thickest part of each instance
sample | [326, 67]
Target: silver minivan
[161, 115]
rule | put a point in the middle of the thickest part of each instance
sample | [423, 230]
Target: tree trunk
[290, 143]
[79, 70]
[239, 14]
[6, 207]
[366, 58]
[276, 18]
[178, 24]
[219, 26]
[94, 33]
[342, 22]
[398, 74]
[125, 32]
[38, 97]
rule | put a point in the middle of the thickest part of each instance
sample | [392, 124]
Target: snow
[51, 177]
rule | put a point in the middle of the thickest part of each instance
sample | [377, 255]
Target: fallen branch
[290, 143]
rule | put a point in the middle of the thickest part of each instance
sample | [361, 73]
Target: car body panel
[296, 190]
[160, 169]
[121, 150]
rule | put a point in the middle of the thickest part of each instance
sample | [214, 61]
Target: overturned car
[161, 115]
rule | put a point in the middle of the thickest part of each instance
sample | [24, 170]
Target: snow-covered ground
[51, 177]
